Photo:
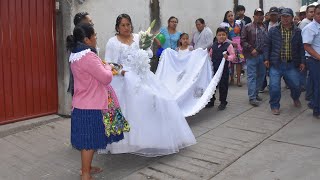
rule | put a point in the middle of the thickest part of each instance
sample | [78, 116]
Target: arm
[210, 52]
[109, 53]
[208, 38]
[311, 51]
[307, 37]
[97, 69]
[301, 50]
[267, 45]
[232, 54]
[244, 39]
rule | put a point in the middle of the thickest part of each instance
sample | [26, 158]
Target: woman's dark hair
[200, 20]
[240, 8]
[79, 17]
[118, 21]
[182, 34]
[172, 17]
[80, 32]
[221, 29]
[225, 16]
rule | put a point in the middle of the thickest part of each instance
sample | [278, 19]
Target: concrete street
[240, 143]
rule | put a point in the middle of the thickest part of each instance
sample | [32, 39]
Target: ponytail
[71, 42]
[80, 32]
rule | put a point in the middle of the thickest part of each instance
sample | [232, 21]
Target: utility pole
[155, 13]
[236, 3]
[261, 4]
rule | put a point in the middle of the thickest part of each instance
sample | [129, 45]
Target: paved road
[241, 142]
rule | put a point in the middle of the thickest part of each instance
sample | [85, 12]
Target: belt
[290, 61]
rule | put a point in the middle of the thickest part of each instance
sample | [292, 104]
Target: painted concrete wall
[293, 4]
[188, 11]
[104, 13]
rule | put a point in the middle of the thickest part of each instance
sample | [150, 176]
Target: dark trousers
[314, 67]
[223, 84]
[265, 82]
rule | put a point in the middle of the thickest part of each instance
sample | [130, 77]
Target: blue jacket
[273, 46]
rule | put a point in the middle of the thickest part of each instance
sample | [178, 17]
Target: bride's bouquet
[146, 38]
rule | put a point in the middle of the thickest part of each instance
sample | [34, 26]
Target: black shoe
[310, 105]
[316, 115]
[210, 105]
[222, 106]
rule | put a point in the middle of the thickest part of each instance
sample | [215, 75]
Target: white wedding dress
[158, 126]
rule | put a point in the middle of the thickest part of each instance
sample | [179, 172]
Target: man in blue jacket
[284, 55]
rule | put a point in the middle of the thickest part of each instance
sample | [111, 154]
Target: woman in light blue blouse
[170, 33]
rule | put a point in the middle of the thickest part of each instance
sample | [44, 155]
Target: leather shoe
[297, 103]
[259, 98]
[222, 106]
[254, 102]
[275, 111]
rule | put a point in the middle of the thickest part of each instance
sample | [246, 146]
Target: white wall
[104, 13]
[187, 11]
[250, 6]
[293, 4]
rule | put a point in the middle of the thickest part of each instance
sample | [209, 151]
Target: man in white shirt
[203, 38]
[311, 40]
[309, 16]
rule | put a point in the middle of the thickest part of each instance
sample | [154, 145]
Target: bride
[158, 126]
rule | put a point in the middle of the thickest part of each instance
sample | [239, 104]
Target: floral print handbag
[113, 119]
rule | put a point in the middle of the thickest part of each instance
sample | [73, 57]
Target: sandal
[239, 84]
[93, 170]
[86, 177]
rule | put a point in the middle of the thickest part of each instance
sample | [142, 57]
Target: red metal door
[28, 65]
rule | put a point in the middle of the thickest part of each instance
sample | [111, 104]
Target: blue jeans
[315, 77]
[256, 72]
[292, 77]
[303, 78]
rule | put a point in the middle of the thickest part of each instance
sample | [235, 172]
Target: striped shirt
[286, 50]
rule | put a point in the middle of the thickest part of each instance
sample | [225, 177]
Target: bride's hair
[118, 21]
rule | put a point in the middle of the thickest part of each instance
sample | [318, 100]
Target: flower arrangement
[139, 62]
[146, 38]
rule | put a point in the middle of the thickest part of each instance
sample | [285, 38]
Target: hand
[301, 67]
[123, 72]
[266, 63]
[235, 45]
[225, 56]
[254, 52]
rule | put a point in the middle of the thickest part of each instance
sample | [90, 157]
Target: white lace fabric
[77, 56]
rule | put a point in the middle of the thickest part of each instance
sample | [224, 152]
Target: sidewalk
[241, 142]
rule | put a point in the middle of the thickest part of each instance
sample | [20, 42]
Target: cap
[303, 8]
[313, 4]
[274, 10]
[287, 11]
[257, 11]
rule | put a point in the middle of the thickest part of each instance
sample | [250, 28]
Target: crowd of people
[125, 111]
